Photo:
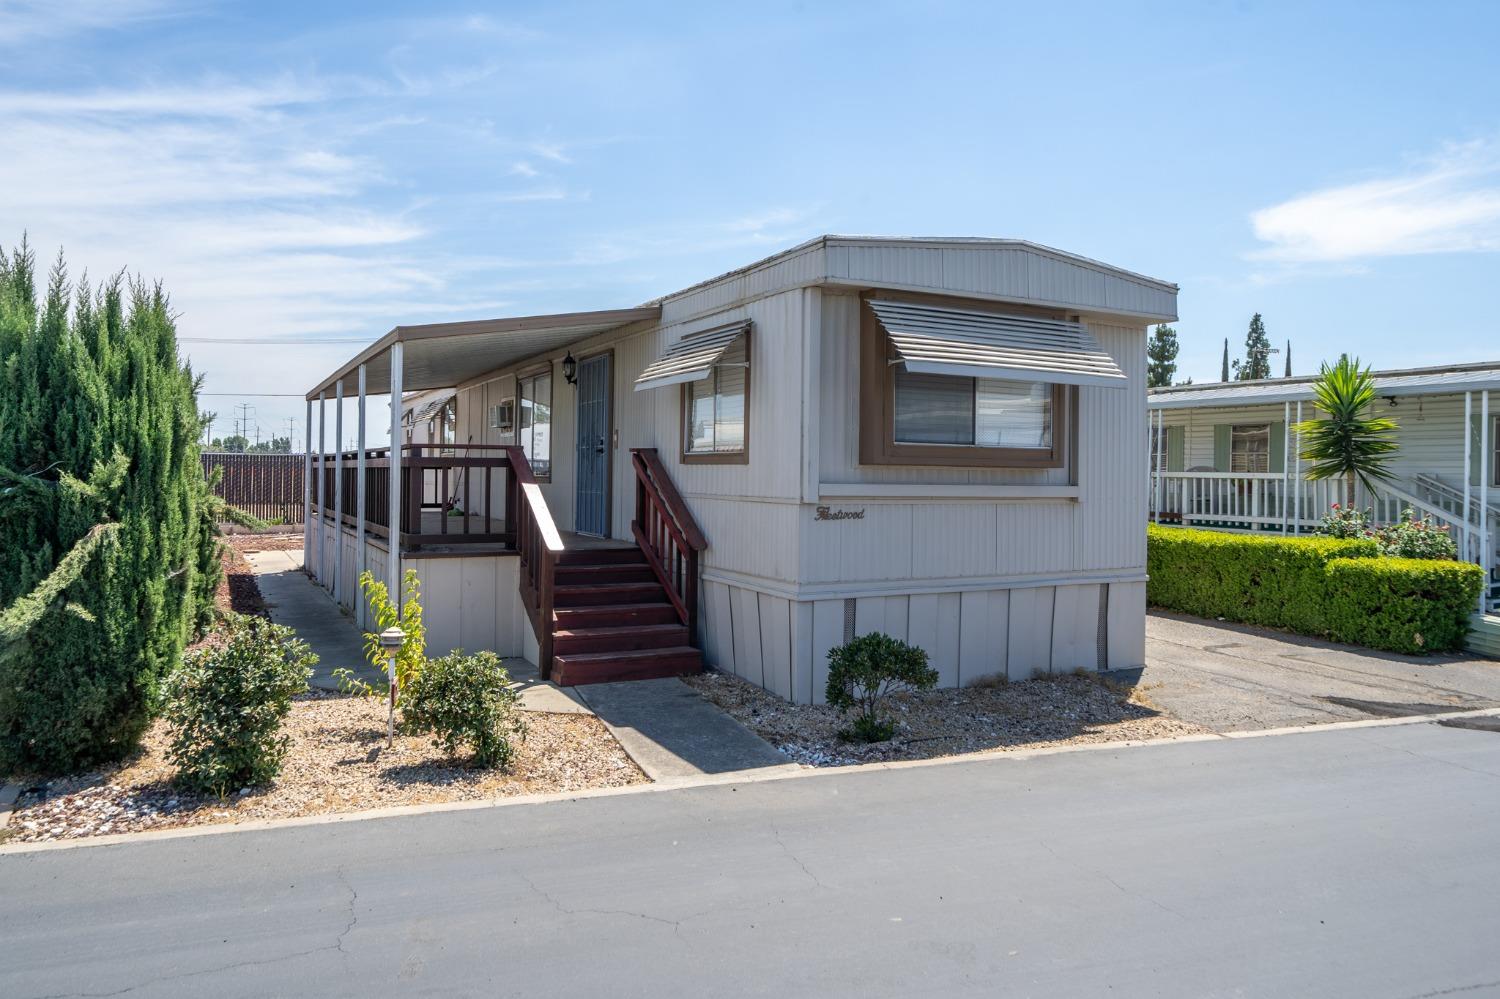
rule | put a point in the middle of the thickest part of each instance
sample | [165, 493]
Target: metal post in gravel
[390, 641]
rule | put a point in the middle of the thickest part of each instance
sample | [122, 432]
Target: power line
[264, 343]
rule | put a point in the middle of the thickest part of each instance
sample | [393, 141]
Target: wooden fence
[266, 485]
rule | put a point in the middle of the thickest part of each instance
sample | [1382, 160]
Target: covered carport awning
[446, 355]
[692, 358]
[939, 340]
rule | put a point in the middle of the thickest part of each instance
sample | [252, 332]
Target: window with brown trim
[716, 410]
[926, 419]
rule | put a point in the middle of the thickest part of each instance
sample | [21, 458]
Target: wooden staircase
[606, 614]
[612, 621]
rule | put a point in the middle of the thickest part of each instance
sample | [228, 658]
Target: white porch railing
[1272, 501]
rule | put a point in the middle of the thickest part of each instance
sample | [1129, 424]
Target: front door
[591, 502]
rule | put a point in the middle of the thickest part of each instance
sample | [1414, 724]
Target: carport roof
[1396, 382]
[443, 355]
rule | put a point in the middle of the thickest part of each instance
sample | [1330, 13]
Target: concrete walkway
[1232, 677]
[671, 731]
[296, 601]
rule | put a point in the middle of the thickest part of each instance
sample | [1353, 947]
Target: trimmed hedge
[1274, 581]
[1402, 604]
[1341, 589]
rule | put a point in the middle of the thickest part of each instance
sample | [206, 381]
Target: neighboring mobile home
[933, 438]
[1225, 455]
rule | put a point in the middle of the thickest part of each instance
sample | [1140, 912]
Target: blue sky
[323, 171]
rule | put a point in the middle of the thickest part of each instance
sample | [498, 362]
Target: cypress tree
[1288, 372]
[1224, 373]
[99, 458]
[1161, 357]
[1257, 362]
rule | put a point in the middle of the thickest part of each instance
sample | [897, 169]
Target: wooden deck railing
[667, 533]
[451, 494]
[538, 543]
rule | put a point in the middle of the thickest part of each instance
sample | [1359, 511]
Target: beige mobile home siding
[994, 571]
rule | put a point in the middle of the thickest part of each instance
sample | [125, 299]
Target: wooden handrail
[669, 494]
[668, 535]
[537, 543]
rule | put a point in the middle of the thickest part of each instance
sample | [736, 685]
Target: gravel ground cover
[1056, 711]
[337, 763]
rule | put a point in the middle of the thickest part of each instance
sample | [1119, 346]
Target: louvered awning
[938, 340]
[692, 357]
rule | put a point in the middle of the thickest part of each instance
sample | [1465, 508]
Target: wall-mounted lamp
[570, 369]
[1392, 400]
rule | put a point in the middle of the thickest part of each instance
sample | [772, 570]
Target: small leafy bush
[1406, 605]
[225, 706]
[1344, 522]
[383, 612]
[1413, 538]
[865, 672]
[466, 700]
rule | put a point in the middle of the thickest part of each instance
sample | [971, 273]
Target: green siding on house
[1176, 449]
[1221, 447]
[1278, 447]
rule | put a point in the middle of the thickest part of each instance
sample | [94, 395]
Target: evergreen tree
[1257, 362]
[108, 559]
[1288, 372]
[1161, 357]
[1224, 373]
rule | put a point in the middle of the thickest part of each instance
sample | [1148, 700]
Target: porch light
[570, 369]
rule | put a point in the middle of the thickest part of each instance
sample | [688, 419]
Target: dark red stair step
[585, 595]
[614, 615]
[602, 556]
[619, 639]
[577, 668]
[569, 575]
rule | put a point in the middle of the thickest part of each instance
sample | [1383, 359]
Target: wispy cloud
[24, 21]
[1446, 203]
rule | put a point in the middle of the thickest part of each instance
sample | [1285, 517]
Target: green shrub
[98, 426]
[226, 704]
[1274, 581]
[1344, 590]
[863, 674]
[465, 700]
[1402, 604]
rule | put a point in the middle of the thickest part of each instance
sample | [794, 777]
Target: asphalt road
[1348, 863]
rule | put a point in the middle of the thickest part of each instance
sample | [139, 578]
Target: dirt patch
[1057, 711]
[337, 763]
[246, 543]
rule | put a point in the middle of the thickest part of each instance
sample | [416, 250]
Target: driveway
[1351, 862]
[1230, 677]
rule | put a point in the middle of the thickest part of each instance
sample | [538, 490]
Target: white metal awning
[939, 340]
[692, 357]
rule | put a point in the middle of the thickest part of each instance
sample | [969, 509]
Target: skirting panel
[783, 645]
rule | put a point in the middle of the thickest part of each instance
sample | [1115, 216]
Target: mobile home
[1226, 455]
[933, 438]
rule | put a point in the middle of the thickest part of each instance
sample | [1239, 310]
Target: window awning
[691, 358]
[938, 340]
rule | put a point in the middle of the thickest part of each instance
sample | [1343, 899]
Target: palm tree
[1348, 442]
